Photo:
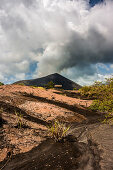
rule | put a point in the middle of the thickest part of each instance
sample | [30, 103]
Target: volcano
[56, 78]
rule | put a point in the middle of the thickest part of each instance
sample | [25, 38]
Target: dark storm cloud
[90, 50]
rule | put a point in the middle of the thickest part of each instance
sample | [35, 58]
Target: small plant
[58, 130]
[1, 109]
[19, 119]
[75, 88]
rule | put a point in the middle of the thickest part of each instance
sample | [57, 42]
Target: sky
[70, 37]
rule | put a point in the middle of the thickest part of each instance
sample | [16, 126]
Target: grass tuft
[58, 130]
[19, 119]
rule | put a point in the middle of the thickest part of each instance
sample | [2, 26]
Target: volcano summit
[56, 78]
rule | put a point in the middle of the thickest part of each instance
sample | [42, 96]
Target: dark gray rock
[101, 135]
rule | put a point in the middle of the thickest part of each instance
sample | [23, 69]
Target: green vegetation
[1, 83]
[108, 119]
[19, 119]
[42, 88]
[22, 84]
[57, 130]
[102, 93]
[39, 87]
[34, 86]
[75, 88]
[49, 85]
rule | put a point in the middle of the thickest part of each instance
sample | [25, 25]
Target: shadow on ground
[11, 109]
[68, 154]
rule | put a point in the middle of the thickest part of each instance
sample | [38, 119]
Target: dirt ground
[30, 147]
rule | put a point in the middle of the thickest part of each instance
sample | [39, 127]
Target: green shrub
[49, 85]
[103, 95]
[75, 88]
[57, 130]
[108, 119]
[85, 90]
[1, 83]
[105, 105]
[22, 84]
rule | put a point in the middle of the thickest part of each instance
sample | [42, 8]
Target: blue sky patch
[93, 2]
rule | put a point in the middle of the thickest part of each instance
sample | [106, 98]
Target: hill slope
[56, 78]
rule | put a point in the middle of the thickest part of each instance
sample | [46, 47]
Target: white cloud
[20, 76]
[111, 66]
[60, 36]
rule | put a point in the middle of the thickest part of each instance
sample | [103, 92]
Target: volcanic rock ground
[87, 146]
